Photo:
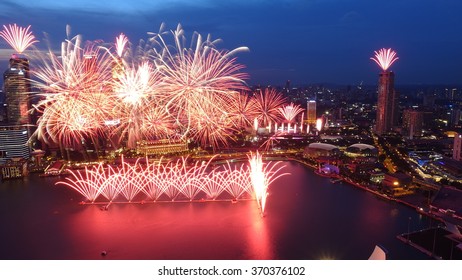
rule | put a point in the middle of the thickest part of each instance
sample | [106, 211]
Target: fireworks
[290, 111]
[160, 91]
[19, 38]
[385, 58]
[74, 104]
[175, 180]
[121, 41]
[199, 85]
[268, 103]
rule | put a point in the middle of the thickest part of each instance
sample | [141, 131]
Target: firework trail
[290, 111]
[268, 103]
[19, 38]
[384, 58]
[156, 91]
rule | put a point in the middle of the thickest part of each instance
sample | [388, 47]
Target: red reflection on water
[260, 246]
[181, 230]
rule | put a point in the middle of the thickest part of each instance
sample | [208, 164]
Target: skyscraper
[311, 112]
[412, 123]
[387, 100]
[17, 88]
[15, 128]
[457, 149]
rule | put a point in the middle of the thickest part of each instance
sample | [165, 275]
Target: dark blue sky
[306, 41]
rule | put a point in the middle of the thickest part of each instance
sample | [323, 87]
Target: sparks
[290, 111]
[19, 38]
[385, 58]
[268, 103]
[121, 41]
[175, 180]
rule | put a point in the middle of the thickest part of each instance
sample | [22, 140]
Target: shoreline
[418, 208]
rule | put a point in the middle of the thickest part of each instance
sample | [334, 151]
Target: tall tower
[311, 112]
[15, 131]
[457, 149]
[388, 99]
[412, 123]
[17, 88]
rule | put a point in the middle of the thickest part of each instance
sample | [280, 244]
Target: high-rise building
[412, 123]
[311, 112]
[387, 103]
[457, 149]
[387, 100]
[17, 89]
[15, 128]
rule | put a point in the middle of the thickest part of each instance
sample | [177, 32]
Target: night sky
[305, 41]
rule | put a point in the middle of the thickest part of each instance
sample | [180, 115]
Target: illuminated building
[161, 147]
[316, 150]
[457, 150]
[361, 150]
[387, 100]
[311, 112]
[17, 88]
[412, 123]
[13, 142]
[387, 103]
[15, 130]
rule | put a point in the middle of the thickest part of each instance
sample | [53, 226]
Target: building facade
[311, 112]
[387, 103]
[413, 121]
[17, 90]
[15, 128]
[457, 150]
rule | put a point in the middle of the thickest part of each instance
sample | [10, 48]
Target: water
[307, 217]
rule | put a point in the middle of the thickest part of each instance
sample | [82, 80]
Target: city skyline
[302, 41]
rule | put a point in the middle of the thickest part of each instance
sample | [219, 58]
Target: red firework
[19, 38]
[385, 58]
[290, 111]
[268, 103]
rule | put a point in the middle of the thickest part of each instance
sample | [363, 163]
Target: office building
[15, 128]
[387, 103]
[457, 148]
[412, 123]
[311, 112]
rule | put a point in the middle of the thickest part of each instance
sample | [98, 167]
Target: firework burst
[243, 110]
[385, 58]
[19, 38]
[175, 180]
[198, 79]
[290, 111]
[268, 103]
[121, 41]
[157, 91]
[72, 85]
